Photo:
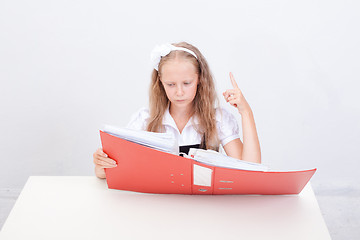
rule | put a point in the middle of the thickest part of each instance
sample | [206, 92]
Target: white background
[67, 67]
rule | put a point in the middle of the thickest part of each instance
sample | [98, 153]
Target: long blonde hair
[204, 102]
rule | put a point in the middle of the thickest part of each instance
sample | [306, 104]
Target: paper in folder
[143, 168]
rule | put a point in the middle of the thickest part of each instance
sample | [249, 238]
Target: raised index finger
[233, 82]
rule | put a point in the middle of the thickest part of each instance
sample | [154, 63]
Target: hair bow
[162, 50]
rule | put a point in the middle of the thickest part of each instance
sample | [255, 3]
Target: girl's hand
[101, 162]
[235, 97]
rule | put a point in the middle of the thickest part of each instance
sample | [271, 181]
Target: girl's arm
[250, 149]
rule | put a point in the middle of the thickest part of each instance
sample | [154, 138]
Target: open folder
[144, 169]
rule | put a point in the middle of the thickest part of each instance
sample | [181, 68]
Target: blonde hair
[204, 102]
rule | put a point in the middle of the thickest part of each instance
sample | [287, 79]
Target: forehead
[178, 69]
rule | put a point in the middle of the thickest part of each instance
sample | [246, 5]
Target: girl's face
[180, 81]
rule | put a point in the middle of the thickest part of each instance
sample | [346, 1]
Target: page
[165, 142]
[214, 158]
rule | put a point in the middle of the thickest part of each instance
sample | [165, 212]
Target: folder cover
[143, 169]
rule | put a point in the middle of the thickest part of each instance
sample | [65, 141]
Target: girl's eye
[187, 83]
[170, 84]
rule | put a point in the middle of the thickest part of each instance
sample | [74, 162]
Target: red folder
[143, 169]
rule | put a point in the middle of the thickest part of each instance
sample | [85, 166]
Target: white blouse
[227, 126]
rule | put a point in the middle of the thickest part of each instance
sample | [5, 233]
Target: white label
[202, 176]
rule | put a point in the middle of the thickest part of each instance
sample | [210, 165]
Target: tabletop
[82, 207]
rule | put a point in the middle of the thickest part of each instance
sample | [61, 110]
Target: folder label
[202, 176]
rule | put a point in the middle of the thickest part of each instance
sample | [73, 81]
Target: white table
[84, 208]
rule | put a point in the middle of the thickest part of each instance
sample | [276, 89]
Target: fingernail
[105, 155]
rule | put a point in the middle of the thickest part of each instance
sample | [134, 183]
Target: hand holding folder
[144, 169]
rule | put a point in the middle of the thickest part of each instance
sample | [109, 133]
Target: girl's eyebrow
[185, 80]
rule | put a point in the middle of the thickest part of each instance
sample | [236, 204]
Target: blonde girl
[182, 100]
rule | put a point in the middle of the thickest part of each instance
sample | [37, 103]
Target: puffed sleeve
[227, 126]
[138, 120]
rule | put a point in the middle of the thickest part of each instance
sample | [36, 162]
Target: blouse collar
[169, 120]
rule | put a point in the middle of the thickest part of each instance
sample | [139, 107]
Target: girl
[182, 101]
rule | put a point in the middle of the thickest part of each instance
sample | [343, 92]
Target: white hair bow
[163, 50]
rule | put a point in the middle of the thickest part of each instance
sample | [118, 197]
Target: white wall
[67, 67]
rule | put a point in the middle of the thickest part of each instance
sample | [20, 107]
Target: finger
[100, 153]
[107, 160]
[97, 157]
[230, 92]
[233, 103]
[233, 82]
[103, 164]
[226, 94]
[231, 98]
[234, 92]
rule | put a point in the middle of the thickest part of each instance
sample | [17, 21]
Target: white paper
[165, 142]
[220, 160]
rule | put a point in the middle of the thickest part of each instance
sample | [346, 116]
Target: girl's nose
[179, 91]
